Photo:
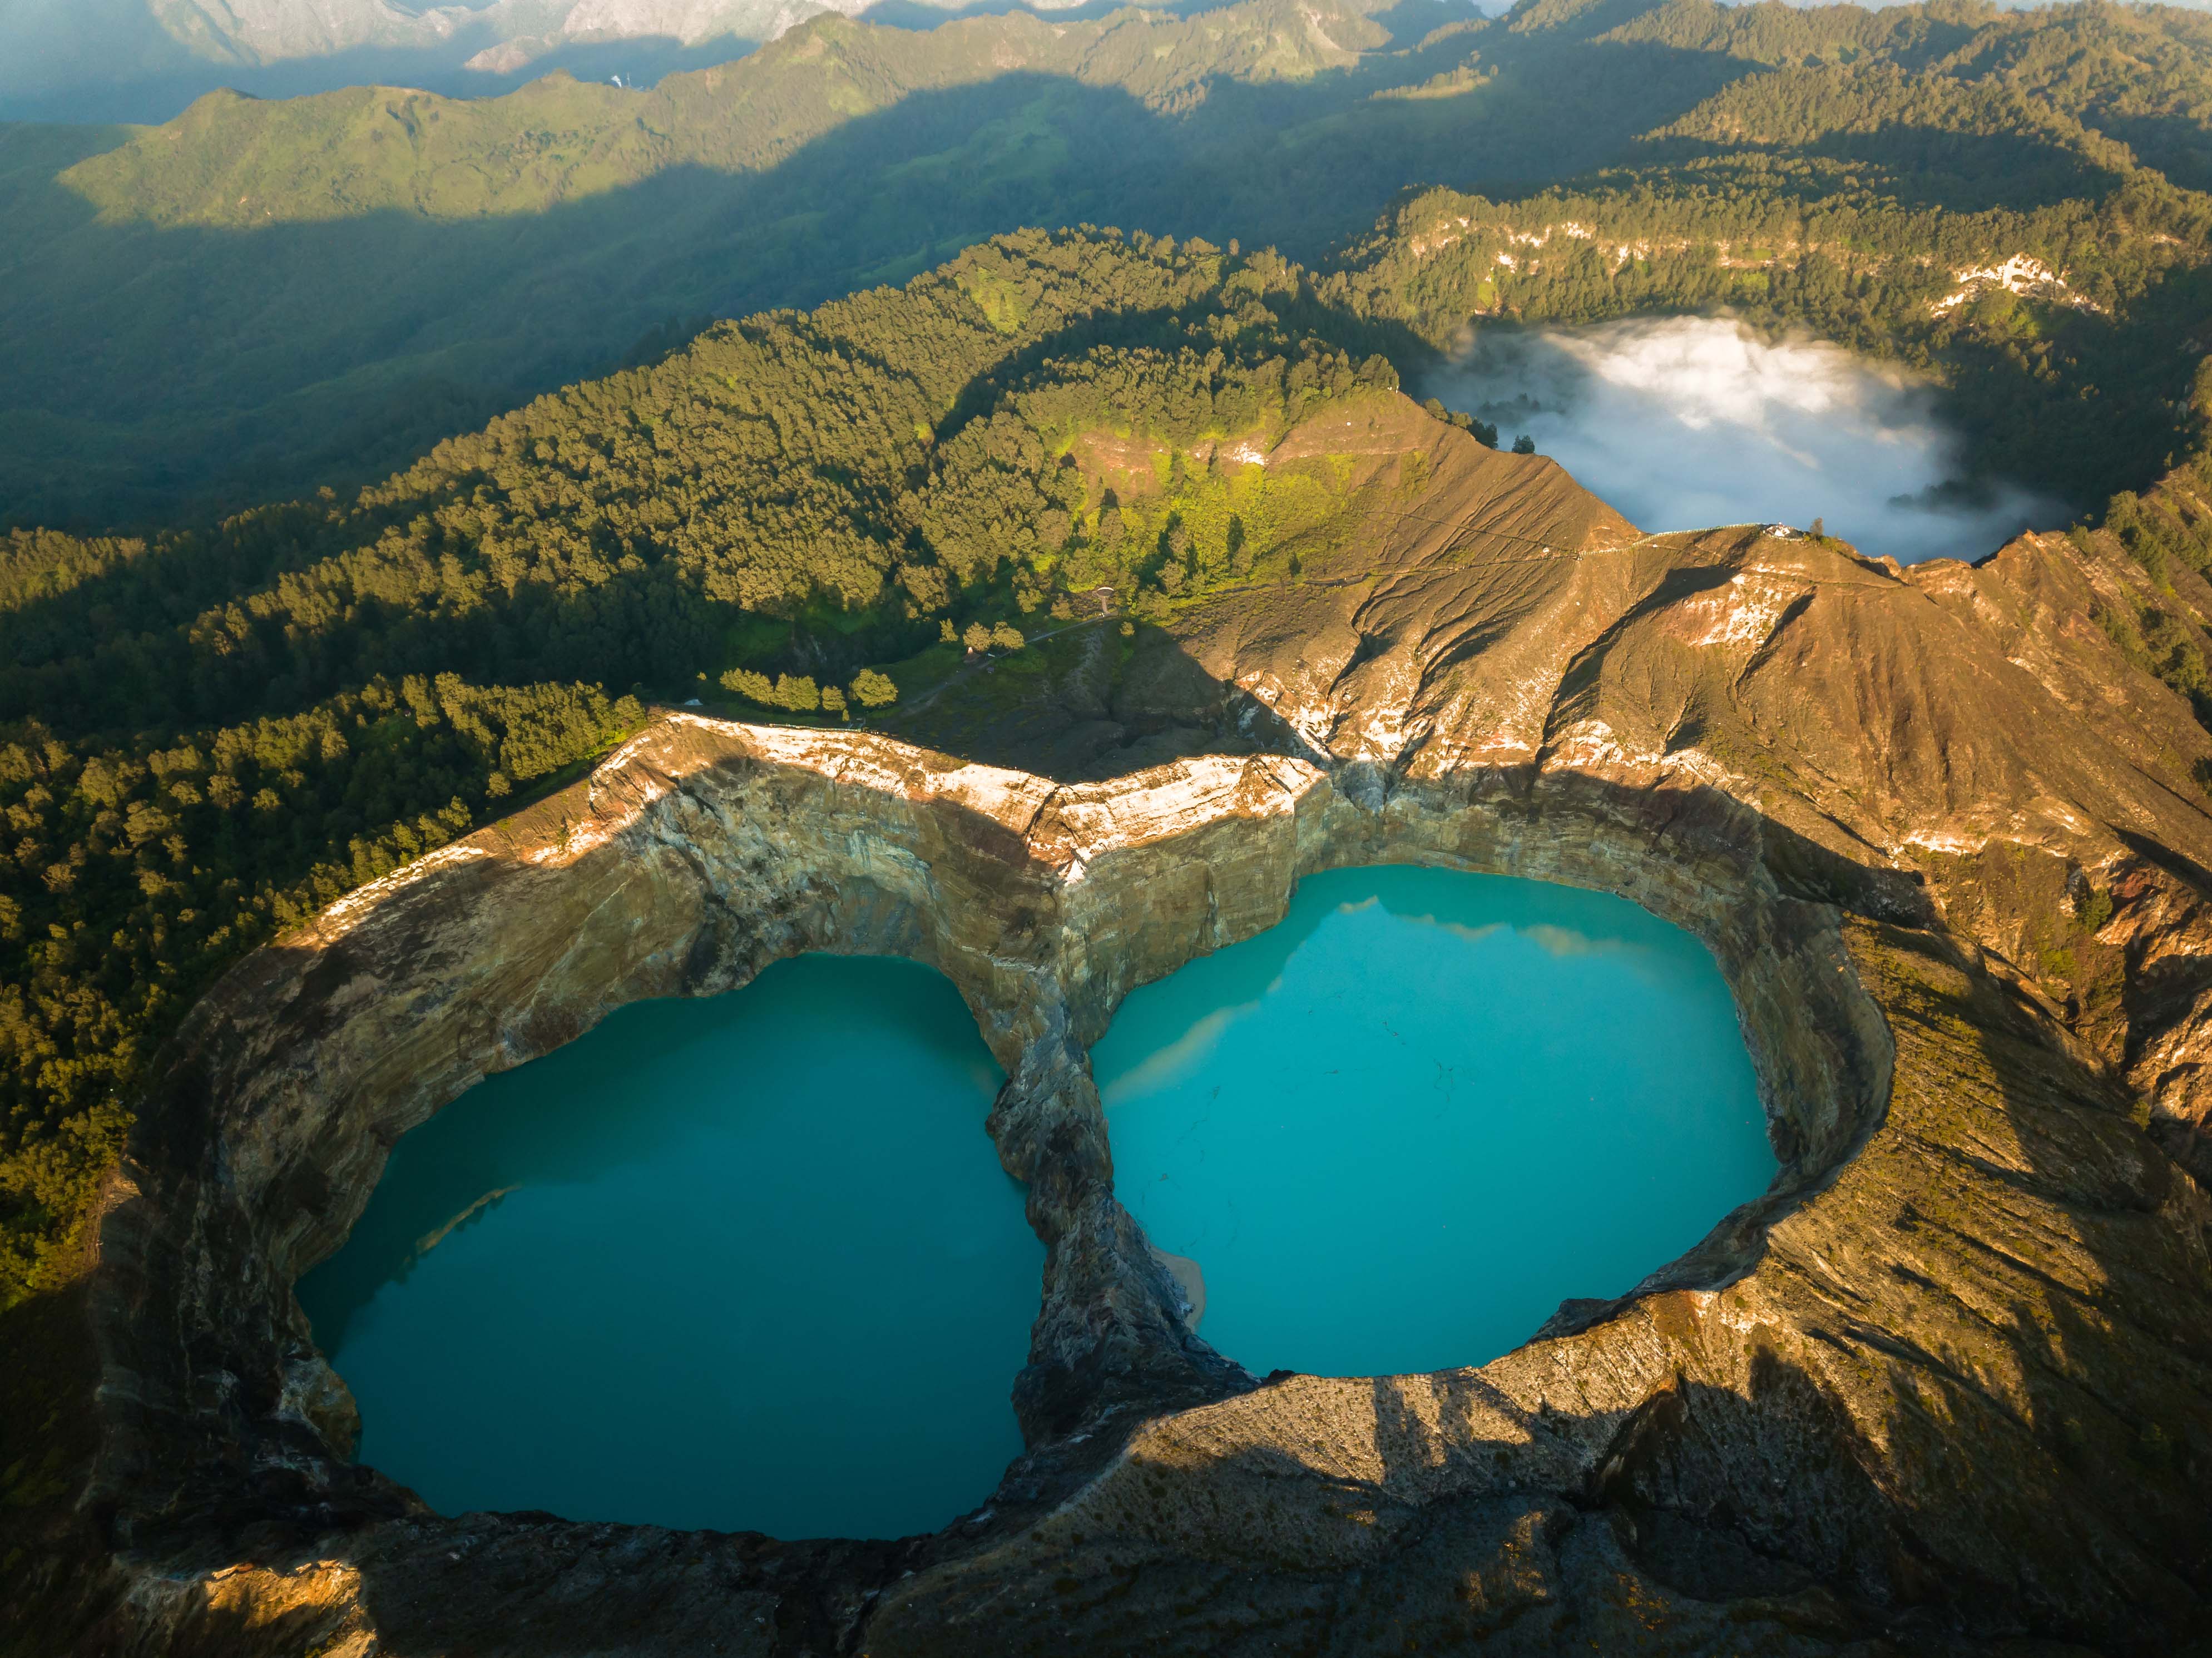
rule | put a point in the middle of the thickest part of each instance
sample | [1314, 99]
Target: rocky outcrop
[1950, 1377]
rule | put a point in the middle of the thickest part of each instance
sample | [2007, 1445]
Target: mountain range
[263, 296]
[144, 59]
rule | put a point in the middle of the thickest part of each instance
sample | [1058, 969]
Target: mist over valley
[1685, 422]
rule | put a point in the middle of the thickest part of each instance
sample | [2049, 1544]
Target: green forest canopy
[262, 297]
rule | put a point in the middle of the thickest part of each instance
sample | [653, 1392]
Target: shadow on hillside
[2179, 146]
[49, 1550]
[166, 93]
[191, 370]
[1918, 167]
[1094, 703]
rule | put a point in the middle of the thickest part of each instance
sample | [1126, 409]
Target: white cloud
[1688, 422]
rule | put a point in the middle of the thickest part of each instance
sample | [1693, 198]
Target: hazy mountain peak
[525, 35]
[260, 31]
[146, 59]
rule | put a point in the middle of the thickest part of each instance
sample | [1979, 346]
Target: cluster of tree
[799, 694]
[2157, 531]
[1482, 430]
[2167, 530]
[130, 873]
[976, 638]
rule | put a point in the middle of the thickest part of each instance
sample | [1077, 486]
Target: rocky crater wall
[705, 852]
[1948, 1383]
[1762, 1428]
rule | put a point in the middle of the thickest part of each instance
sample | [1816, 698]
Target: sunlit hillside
[259, 298]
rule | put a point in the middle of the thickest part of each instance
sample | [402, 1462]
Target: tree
[977, 639]
[872, 690]
[753, 687]
[797, 692]
[1007, 637]
[1524, 445]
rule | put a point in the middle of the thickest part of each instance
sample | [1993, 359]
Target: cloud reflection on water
[1683, 423]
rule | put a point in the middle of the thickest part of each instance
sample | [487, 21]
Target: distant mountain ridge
[263, 31]
[144, 59]
[238, 162]
[263, 296]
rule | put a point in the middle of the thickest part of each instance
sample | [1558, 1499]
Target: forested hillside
[206, 735]
[259, 298]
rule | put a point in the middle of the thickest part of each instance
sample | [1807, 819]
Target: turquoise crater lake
[1397, 1130]
[747, 1263]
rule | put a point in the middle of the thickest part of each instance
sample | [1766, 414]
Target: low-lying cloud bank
[1688, 422]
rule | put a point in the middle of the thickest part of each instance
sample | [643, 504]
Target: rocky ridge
[1946, 1383]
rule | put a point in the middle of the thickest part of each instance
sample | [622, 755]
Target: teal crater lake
[748, 1263]
[1394, 1132]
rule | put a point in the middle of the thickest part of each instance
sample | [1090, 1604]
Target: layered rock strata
[1949, 1380]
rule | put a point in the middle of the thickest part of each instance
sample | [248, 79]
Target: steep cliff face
[1951, 1375]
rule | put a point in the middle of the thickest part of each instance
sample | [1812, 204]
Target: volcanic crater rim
[704, 850]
